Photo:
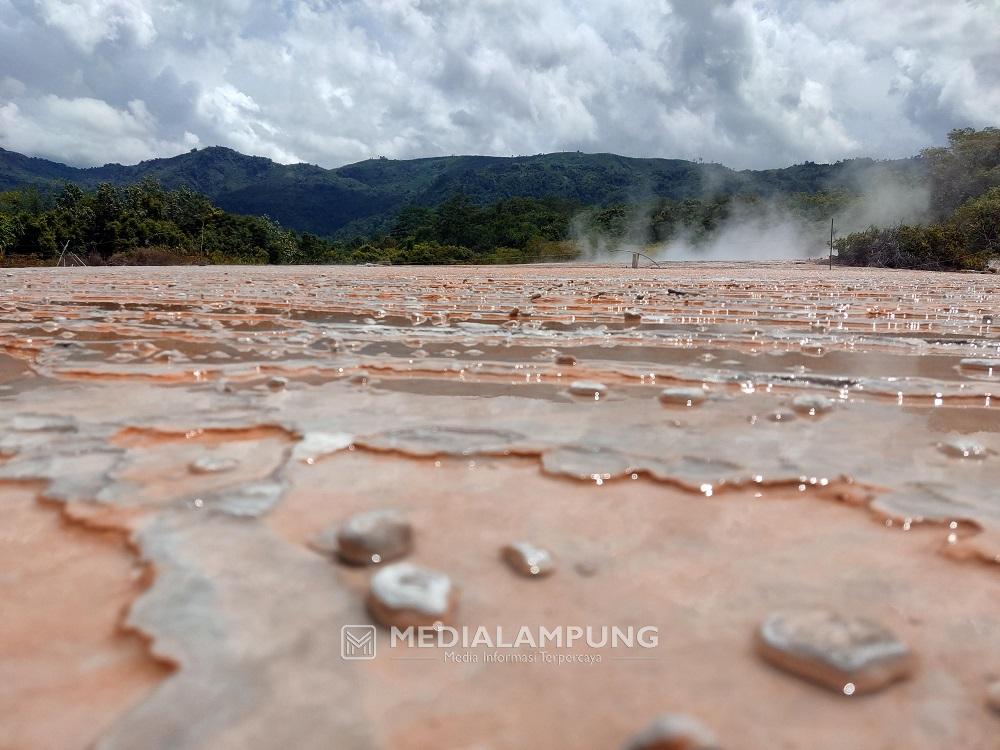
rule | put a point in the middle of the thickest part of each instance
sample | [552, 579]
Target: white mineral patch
[314, 445]
[408, 593]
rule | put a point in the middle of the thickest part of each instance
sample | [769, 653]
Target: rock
[851, 655]
[565, 359]
[993, 696]
[812, 405]
[632, 317]
[277, 383]
[682, 396]
[782, 415]
[528, 560]
[588, 388]
[405, 595]
[212, 465]
[374, 537]
[674, 732]
[962, 447]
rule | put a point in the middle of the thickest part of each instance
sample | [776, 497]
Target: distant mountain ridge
[365, 197]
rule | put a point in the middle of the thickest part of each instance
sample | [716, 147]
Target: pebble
[674, 732]
[565, 359]
[373, 537]
[812, 405]
[963, 448]
[407, 595]
[212, 465]
[277, 383]
[682, 396]
[850, 655]
[782, 415]
[588, 388]
[632, 316]
[528, 560]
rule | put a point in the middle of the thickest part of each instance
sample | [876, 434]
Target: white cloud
[750, 83]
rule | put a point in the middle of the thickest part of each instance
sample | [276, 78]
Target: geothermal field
[789, 475]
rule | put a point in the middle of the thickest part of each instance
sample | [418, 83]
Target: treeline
[145, 224]
[964, 227]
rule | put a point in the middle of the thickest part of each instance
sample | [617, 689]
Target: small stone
[964, 448]
[632, 317]
[565, 359]
[682, 396]
[850, 655]
[212, 465]
[588, 388]
[515, 312]
[277, 383]
[406, 595]
[374, 537]
[987, 320]
[674, 732]
[993, 696]
[782, 415]
[528, 560]
[812, 405]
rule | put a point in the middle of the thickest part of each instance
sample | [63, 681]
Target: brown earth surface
[846, 455]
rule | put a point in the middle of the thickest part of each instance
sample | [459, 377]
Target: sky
[750, 84]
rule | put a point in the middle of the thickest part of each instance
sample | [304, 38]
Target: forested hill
[365, 198]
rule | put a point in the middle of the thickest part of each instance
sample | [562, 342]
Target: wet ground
[172, 439]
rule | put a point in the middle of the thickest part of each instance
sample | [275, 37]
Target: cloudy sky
[749, 84]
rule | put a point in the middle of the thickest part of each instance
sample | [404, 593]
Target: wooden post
[635, 260]
[831, 243]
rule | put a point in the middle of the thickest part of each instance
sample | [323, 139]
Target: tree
[966, 168]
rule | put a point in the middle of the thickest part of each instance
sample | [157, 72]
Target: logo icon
[357, 642]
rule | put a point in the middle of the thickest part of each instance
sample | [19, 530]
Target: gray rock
[682, 396]
[674, 732]
[588, 388]
[851, 655]
[374, 537]
[812, 405]
[528, 560]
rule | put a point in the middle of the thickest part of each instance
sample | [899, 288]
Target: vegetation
[965, 205]
[213, 206]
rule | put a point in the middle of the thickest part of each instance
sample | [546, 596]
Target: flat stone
[674, 732]
[528, 560]
[682, 396]
[812, 405]
[374, 537]
[851, 655]
[407, 595]
[588, 388]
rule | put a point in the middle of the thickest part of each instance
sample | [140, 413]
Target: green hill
[364, 198]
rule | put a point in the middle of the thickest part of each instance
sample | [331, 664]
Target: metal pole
[831, 243]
